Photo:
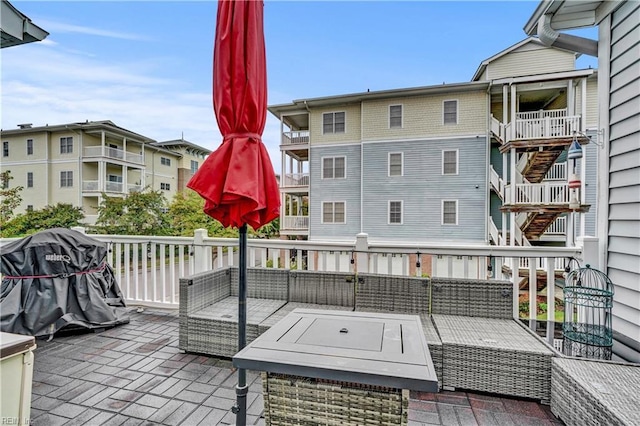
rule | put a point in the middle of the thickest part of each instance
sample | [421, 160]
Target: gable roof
[486, 62]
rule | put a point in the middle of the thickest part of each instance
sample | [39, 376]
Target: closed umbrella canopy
[237, 180]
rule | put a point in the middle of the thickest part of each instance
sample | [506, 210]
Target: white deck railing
[94, 186]
[298, 223]
[557, 227]
[114, 153]
[295, 180]
[498, 129]
[545, 193]
[295, 137]
[496, 182]
[558, 171]
[148, 268]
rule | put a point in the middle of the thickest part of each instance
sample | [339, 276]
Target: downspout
[550, 37]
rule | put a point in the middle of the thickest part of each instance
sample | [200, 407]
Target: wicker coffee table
[340, 367]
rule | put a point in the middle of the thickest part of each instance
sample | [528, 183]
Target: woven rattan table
[340, 367]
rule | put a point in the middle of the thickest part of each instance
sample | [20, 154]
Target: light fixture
[490, 268]
[418, 260]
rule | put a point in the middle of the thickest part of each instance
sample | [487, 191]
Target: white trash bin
[16, 378]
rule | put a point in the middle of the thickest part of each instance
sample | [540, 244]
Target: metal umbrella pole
[240, 408]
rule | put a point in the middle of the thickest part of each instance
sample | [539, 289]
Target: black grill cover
[58, 278]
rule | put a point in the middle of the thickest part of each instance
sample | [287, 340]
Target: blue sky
[146, 65]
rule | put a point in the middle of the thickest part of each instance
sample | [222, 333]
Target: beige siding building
[76, 163]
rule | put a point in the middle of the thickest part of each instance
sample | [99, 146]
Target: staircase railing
[496, 182]
[498, 129]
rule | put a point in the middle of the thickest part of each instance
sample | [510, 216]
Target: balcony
[295, 180]
[299, 137]
[295, 223]
[544, 124]
[545, 193]
[95, 152]
[109, 187]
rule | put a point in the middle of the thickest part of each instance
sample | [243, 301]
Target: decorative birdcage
[588, 299]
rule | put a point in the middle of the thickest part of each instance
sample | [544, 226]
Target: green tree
[186, 215]
[138, 213]
[10, 198]
[60, 215]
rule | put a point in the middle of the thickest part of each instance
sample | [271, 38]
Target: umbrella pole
[242, 389]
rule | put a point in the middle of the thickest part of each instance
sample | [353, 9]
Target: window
[395, 212]
[333, 168]
[5, 149]
[29, 146]
[194, 166]
[395, 164]
[66, 179]
[449, 212]
[115, 178]
[450, 162]
[165, 161]
[395, 116]
[66, 145]
[450, 112]
[333, 122]
[29, 207]
[29, 179]
[165, 186]
[333, 212]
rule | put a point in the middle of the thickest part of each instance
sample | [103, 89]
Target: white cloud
[61, 27]
[72, 88]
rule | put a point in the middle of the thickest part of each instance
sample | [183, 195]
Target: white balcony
[295, 223]
[113, 153]
[545, 193]
[545, 124]
[295, 180]
[298, 137]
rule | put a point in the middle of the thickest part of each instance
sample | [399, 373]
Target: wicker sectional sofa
[473, 341]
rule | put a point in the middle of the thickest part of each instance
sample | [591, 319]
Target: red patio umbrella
[237, 181]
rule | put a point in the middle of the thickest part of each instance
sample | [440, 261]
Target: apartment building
[465, 163]
[76, 163]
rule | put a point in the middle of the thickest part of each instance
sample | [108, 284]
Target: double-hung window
[450, 112]
[194, 166]
[165, 161]
[333, 168]
[396, 164]
[450, 162]
[29, 179]
[395, 116]
[165, 186]
[333, 212]
[66, 145]
[333, 122]
[395, 212]
[5, 148]
[29, 146]
[66, 179]
[449, 212]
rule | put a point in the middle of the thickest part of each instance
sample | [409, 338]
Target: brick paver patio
[134, 374]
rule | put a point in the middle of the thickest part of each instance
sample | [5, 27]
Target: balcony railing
[113, 153]
[295, 180]
[545, 193]
[295, 223]
[558, 171]
[94, 186]
[295, 137]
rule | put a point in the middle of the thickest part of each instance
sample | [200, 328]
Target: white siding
[623, 264]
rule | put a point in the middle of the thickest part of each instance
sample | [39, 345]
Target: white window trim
[457, 162]
[442, 213]
[334, 212]
[66, 178]
[401, 116]
[334, 167]
[334, 122]
[401, 212]
[32, 148]
[457, 112]
[401, 164]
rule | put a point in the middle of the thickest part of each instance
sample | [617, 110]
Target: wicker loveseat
[473, 341]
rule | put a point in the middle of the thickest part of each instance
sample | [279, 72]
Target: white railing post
[590, 252]
[199, 254]
[362, 247]
[80, 229]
